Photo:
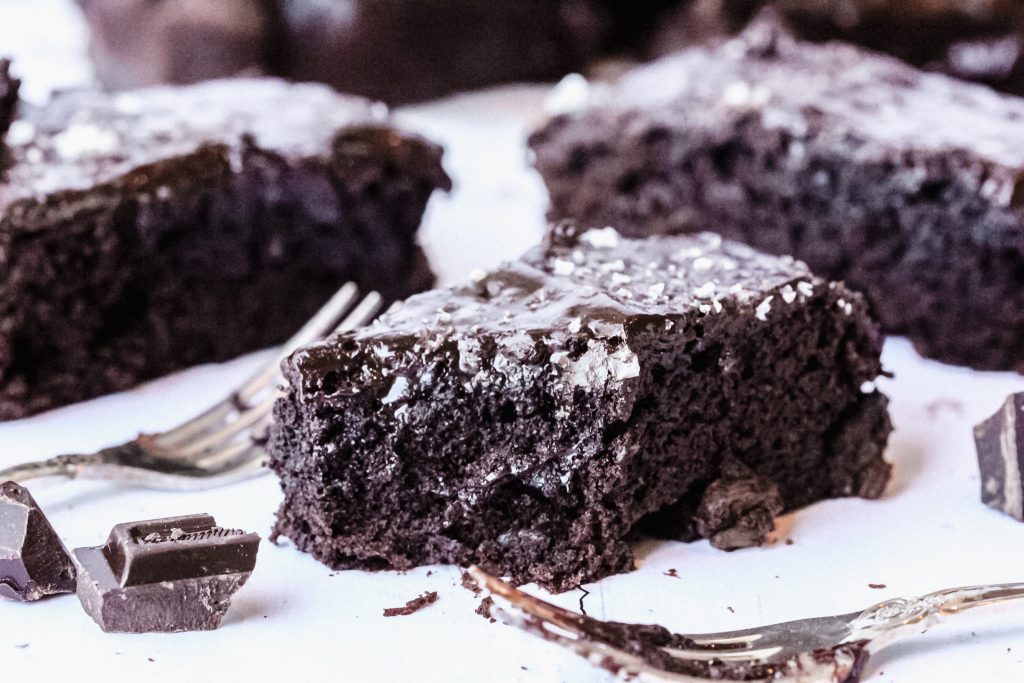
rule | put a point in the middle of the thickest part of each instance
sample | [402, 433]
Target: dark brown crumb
[150, 659]
[672, 572]
[470, 584]
[952, 405]
[21, 647]
[413, 606]
[878, 586]
[731, 610]
[430, 572]
[484, 609]
[789, 541]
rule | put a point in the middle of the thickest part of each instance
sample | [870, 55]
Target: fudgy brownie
[396, 51]
[155, 229]
[979, 40]
[8, 99]
[906, 185]
[534, 420]
[406, 50]
[137, 43]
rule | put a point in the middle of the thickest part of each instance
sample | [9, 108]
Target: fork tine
[361, 314]
[319, 325]
[215, 439]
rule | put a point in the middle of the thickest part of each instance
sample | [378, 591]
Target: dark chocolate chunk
[165, 575]
[1000, 445]
[413, 606]
[738, 509]
[157, 229]
[533, 419]
[34, 563]
[905, 185]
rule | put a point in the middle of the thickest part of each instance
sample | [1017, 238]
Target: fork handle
[891, 620]
[59, 466]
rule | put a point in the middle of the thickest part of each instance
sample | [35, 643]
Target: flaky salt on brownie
[156, 229]
[538, 418]
[906, 185]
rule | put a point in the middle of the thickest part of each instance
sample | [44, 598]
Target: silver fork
[821, 649]
[221, 445]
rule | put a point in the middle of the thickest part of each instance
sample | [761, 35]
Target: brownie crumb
[731, 610]
[413, 606]
[672, 572]
[789, 541]
[470, 584]
[877, 586]
[940, 405]
[738, 510]
[484, 609]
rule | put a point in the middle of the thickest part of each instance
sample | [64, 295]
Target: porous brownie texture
[536, 420]
[906, 185]
[156, 229]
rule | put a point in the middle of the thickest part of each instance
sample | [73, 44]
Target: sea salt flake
[563, 267]
[763, 308]
[602, 238]
[705, 291]
[788, 294]
[702, 264]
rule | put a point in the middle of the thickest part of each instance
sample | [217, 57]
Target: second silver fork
[832, 649]
[221, 445]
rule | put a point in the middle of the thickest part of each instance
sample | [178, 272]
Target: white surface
[298, 620]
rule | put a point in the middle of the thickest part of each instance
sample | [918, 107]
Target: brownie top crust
[593, 280]
[82, 140]
[829, 92]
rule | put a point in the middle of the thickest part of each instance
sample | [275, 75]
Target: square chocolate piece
[1000, 444]
[165, 575]
[537, 419]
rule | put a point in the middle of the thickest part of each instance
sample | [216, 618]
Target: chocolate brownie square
[978, 40]
[905, 185]
[138, 43]
[156, 229]
[535, 420]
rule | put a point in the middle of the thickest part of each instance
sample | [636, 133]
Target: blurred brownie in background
[136, 43]
[978, 40]
[396, 51]
[906, 185]
[156, 229]
[406, 50]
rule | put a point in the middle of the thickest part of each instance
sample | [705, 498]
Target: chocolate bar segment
[907, 186]
[1000, 444]
[536, 419]
[157, 229]
[34, 563]
[165, 575]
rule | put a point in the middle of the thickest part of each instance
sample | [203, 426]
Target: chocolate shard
[165, 575]
[738, 509]
[1001, 458]
[34, 563]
